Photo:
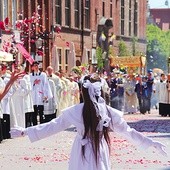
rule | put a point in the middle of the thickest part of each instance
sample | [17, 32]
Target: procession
[94, 76]
[43, 95]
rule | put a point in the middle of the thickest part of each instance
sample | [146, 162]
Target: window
[130, 17]
[103, 8]
[67, 13]
[87, 14]
[58, 11]
[76, 14]
[135, 18]
[111, 8]
[66, 58]
[122, 17]
[165, 26]
[158, 20]
[60, 59]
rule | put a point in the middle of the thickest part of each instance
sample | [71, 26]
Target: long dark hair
[91, 121]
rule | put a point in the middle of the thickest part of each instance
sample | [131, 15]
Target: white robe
[17, 98]
[73, 116]
[28, 101]
[162, 90]
[51, 104]
[58, 86]
[41, 89]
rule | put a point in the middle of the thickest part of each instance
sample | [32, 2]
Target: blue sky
[158, 3]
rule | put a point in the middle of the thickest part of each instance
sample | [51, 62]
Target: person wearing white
[130, 97]
[58, 85]
[74, 92]
[28, 102]
[3, 92]
[40, 92]
[91, 145]
[162, 89]
[8, 116]
[50, 105]
[18, 101]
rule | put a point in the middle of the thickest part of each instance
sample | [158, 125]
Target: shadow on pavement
[168, 168]
[160, 136]
[151, 125]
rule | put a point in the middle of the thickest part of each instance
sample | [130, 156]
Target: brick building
[161, 18]
[78, 21]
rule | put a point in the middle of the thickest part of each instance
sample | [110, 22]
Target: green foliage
[111, 51]
[122, 48]
[135, 52]
[158, 46]
[99, 55]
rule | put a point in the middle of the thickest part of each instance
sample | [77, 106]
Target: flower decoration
[77, 70]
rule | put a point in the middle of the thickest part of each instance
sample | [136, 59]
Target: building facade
[161, 18]
[79, 21]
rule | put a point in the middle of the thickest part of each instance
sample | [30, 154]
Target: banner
[128, 61]
[25, 53]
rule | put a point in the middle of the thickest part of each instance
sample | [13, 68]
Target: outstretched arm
[13, 78]
[119, 125]
[44, 130]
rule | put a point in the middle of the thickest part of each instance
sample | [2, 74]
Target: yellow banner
[127, 61]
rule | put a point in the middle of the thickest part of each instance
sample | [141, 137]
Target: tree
[158, 47]
[135, 51]
[122, 48]
[100, 60]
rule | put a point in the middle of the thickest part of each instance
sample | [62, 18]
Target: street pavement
[53, 152]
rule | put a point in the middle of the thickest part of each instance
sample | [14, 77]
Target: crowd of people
[133, 93]
[39, 96]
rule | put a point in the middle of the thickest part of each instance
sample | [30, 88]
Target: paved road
[53, 153]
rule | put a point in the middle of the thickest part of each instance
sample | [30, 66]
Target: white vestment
[18, 101]
[162, 89]
[58, 86]
[51, 104]
[73, 116]
[40, 87]
[28, 101]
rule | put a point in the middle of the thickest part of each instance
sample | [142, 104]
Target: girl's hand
[160, 148]
[15, 76]
[17, 132]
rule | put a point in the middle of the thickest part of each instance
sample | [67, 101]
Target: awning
[4, 56]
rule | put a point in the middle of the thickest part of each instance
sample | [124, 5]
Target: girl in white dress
[93, 120]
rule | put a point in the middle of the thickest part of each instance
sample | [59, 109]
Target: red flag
[25, 53]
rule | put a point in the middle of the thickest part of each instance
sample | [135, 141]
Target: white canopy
[4, 56]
